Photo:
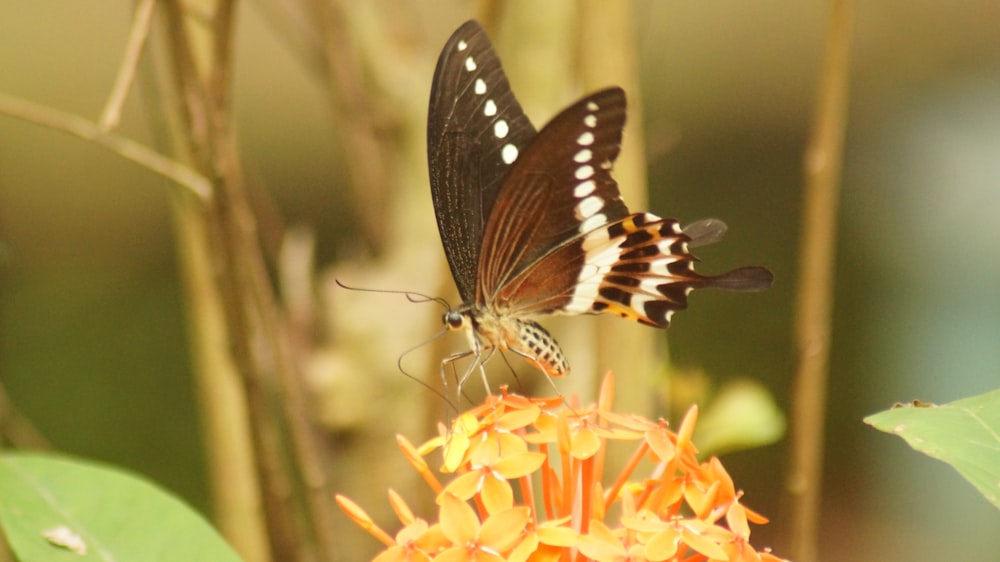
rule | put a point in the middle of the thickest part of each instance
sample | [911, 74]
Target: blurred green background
[92, 342]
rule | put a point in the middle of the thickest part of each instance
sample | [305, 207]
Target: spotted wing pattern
[475, 131]
[534, 224]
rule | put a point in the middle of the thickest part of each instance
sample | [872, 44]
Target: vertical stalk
[822, 164]
[225, 256]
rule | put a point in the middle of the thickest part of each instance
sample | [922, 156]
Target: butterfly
[532, 222]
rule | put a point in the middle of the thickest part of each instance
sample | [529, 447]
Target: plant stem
[127, 148]
[126, 73]
[822, 165]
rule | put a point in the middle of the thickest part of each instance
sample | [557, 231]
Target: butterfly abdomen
[537, 345]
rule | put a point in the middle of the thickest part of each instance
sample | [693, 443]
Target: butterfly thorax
[489, 330]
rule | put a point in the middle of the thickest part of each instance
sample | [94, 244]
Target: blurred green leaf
[743, 415]
[54, 509]
[964, 434]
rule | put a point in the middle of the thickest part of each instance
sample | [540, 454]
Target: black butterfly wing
[475, 130]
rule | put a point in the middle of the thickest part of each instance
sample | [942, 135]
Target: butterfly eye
[454, 320]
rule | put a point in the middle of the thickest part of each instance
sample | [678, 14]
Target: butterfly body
[533, 223]
[491, 330]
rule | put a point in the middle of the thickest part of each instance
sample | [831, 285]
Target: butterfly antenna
[411, 296]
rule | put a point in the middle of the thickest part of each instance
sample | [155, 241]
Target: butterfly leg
[478, 363]
[538, 365]
[482, 371]
[479, 359]
[450, 362]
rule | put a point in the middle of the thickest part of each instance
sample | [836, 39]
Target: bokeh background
[93, 347]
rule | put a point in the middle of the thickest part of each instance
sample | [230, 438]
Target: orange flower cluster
[685, 510]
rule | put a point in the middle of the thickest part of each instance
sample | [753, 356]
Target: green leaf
[964, 434]
[56, 509]
[743, 415]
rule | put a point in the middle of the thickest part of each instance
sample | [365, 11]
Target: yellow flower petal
[662, 545]
[458, 521]
[412, 532]
[585, 444]
[630, 422]
[600, 544]
[496, 494]
[557, 536]
[525, 549]
[433, 540]
[518, 419]
[494, 447]
[455, 554]
[602, 532]
[465, 486]
[703, 545]
[736, 518]
[502, 530]
[645, 523]
[660, 443]
[687, 427]
[520, 464]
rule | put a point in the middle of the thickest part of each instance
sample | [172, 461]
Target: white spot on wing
[500, 129]
[593, 222]
[470, 64]
[490, 109]
[590, 121]
[584, 189]
[479, 87]
[584, 172]
[462, 45]
[586, 139]
[588, 207]
[508, 153]
[584, 155]
[591, 106]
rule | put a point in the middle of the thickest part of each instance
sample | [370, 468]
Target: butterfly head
[455, 320]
